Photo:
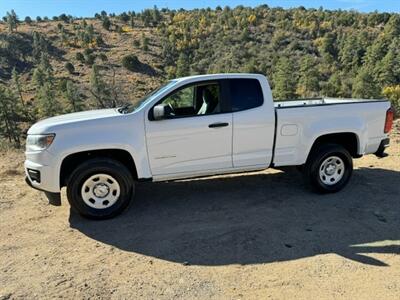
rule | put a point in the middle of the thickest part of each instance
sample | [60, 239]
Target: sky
[87, 8]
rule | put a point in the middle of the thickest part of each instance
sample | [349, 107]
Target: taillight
[389, 120]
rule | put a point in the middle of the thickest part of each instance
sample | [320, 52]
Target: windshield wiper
[123, 109]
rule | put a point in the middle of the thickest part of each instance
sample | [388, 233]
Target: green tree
[12, 21]
[23, 111]
[73, 97]
[132, 21]
[284, 79]
[28, 20]
[388, 70]
[145, 43]
[365, 85]
[308, 85]
[46, 101]
[99, 88]
[131, 62]
[70, 67]
[9, 128]
[182, 65]
[106, 23]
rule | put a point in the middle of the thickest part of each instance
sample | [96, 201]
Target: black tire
[89, 169]
[315, 162]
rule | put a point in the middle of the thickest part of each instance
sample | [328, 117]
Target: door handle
[217, 125]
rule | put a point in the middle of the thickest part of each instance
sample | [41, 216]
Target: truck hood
[50, 125]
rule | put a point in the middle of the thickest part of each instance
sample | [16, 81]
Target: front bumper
[54, 198]
[44, 164]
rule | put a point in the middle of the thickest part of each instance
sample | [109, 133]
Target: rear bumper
[382, 147]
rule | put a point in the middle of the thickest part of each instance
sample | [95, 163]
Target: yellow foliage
[203, 22]
[318, 42]
[393, 94]
[179, 17]
[126, 29]
[252, 19]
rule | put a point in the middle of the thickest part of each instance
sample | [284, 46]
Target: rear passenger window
[245, 94]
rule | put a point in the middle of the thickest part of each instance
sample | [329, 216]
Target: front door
[196, 137]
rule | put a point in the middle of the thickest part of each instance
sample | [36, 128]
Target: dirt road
[260, 235]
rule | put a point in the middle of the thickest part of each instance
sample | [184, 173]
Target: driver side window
[200, 99]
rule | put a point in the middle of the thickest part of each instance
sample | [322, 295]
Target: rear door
[253, 123]
[197, 138]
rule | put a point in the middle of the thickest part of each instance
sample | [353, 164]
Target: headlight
[39, 142]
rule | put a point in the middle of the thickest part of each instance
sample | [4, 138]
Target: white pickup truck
[199, 126]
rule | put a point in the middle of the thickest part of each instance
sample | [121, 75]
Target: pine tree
[388, 70]
[23, 110]
[73, 97]
[99, 89]
[46, 101]
[182, 65]
[132, 21]
[365, 85]
[284, 80]
[12, 20]
[106, 23]
[308, 85]
[9, 117]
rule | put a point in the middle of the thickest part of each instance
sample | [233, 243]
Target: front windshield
[132, 107]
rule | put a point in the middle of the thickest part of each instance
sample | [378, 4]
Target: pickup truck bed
[319, 102]
[299, 124]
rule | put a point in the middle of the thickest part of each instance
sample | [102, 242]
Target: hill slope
[69, 64]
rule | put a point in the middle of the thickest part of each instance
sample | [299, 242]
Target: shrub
[70, 68]
[136, 43]
[89, 59]
[106, 23]
[103, 57]
[130, 62]
[28, 20]
[79, 57]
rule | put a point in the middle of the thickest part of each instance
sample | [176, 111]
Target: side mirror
[159, 112]
[162, 111]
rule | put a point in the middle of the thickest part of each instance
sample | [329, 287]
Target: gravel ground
[256, 235]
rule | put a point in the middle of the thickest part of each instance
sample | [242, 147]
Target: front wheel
[329, 168]
[100, 188]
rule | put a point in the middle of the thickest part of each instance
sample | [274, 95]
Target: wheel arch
[73, 160]
[349, 140]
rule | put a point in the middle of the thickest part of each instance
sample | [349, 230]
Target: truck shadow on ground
[257, 218]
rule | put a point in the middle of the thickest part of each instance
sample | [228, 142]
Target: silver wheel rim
[331, 171]
[100, 191]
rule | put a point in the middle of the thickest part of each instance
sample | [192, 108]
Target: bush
[79, 57]
[28, 20]
[103, 57]
[89, 59]
[106, 23]
[136, 43]
[70, 68]
[131, 62]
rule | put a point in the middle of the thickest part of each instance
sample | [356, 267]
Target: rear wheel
[329, 168]
[100, 188]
